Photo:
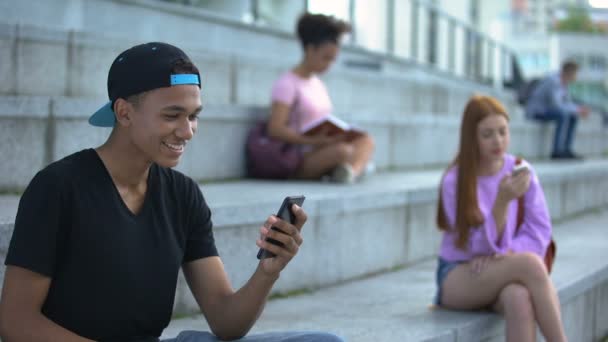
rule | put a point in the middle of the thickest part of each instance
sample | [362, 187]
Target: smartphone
[518, 169]
[284, 214]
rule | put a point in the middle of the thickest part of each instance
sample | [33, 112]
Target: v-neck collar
[123, 205]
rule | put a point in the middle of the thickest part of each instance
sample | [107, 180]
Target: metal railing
[449, 44]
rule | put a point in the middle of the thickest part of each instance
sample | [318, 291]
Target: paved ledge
[416, 186]
[388, 219]
[249, 197]
[395, 306]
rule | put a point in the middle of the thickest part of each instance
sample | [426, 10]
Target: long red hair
[468, 214]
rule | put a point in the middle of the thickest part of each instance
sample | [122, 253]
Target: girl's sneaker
[343, 173]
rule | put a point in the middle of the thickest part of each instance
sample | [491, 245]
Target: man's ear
[123, 111]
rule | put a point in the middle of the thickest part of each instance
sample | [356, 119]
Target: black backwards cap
[141, 68]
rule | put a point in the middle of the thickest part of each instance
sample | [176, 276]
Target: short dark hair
[179, 66]
[569, 67]
[316, 29]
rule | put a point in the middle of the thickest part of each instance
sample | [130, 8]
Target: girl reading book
[489, 260]
[299, 99]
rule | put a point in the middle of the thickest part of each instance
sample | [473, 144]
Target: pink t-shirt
[307, 98]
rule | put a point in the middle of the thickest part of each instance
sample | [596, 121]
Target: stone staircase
[367, 265]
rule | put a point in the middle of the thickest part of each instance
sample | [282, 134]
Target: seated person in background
[299, 97]
[486, 261]
[550, 101]
[100, 235]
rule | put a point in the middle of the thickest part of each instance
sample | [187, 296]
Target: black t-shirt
[114, 274]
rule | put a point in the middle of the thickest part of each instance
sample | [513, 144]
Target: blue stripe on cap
[184, 79]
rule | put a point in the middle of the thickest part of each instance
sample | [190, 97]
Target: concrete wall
[41, 61]
[146, 20]
[152, 20]
[37, 130]
[359, 230]
[219, 28]
[393, 102]
[344, 239]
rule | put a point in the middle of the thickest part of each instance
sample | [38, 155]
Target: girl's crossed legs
[516, 285]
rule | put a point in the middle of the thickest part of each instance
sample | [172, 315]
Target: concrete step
[38, 60]
[35, 130]
[154, 20]
[395, 306]
[389, 219]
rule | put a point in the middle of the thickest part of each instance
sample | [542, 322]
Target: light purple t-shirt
[534, 234]
[307, 98]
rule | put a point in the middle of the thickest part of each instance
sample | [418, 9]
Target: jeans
[203, 336]
[564, 130]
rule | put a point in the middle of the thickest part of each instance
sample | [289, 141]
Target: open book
[331, 125]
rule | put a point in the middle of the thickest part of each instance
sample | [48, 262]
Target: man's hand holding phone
[280, 238]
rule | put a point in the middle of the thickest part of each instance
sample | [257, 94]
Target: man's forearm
[238, 312]
[37, 329]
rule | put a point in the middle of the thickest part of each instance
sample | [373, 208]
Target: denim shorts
[443, 268]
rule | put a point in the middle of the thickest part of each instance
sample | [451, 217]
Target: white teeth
[178, 147]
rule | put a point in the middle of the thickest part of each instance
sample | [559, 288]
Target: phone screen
[284, 214]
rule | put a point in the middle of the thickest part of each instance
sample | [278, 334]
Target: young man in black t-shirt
[101, 235]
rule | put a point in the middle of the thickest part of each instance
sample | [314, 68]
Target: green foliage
[578, 20]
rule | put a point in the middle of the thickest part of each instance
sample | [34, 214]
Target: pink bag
[270, 158]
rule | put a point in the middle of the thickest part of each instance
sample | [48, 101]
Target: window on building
[236, 9]
[597, 62]
[279, 13]
[338, 8]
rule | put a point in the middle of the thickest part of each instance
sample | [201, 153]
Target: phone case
[284, 214]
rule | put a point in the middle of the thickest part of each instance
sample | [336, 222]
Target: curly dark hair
[316, 29]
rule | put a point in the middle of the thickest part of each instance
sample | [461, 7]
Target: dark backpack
[269, 158]
[525, 91]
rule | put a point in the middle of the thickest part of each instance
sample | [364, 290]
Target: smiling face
[162, 121]
[493, 137]
[320, 57]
